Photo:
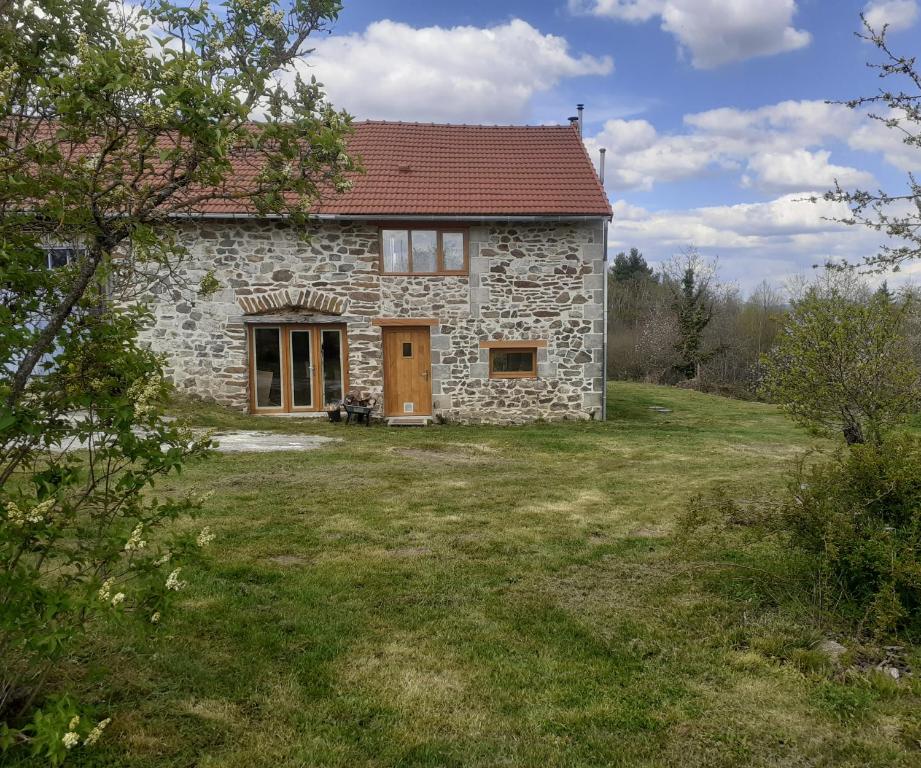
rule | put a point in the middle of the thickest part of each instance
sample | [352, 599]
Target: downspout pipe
[604, 299]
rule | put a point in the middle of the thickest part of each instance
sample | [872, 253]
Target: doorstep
[409, 421]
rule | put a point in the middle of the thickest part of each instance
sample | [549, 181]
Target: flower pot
[334, 415]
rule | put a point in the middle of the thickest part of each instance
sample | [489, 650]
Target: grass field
[478, 596]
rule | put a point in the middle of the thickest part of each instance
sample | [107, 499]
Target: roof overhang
[471, 218]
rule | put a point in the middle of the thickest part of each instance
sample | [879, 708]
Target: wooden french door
[407, 371]
[297, 368]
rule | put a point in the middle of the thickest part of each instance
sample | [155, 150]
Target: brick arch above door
[304, 299]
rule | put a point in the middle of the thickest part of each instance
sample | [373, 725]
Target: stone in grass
[833, 649]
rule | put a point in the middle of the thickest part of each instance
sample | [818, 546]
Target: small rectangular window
[59, 257]
[513, 363]
[425, 250]
[395, 243]
[407, 349]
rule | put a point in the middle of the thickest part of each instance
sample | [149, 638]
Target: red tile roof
[464, 170]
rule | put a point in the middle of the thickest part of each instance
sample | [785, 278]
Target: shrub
[842, 364]
[860, 516]
[81, 537]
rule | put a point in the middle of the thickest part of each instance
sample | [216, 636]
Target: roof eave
[523, 217]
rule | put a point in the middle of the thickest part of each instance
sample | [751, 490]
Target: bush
[81, 536]
[860, 516]
[842, 363]
[843, 542]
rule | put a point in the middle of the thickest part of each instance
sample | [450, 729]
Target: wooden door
[407, 371]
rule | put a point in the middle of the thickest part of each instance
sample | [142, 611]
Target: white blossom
[205, 537]
[163, 560]
[35, 515]
[135, 541]
[38, 513]
[173, 582]
[74, 722]
[70, 739]
[145, 393]
[118, 599]
[105, 591]
[155, 619]
[15, 515]
[93, 736]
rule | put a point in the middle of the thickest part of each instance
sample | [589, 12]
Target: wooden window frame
[518, 347]
[73, 253]
[287, 391]
[440, 232]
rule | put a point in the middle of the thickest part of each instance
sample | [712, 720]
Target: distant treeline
[680, 325]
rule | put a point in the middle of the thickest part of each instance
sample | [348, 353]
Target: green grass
[482, 596]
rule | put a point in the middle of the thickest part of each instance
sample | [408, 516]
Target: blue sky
[653, 74]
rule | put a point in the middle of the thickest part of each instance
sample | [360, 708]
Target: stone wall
[534, 281]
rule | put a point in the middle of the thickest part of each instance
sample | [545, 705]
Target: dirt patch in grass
[435, 456]
[408, 552]
[476, 448]
[288, 561]
[433, 692]
[647, 533]
[780, 451]
[215, 710]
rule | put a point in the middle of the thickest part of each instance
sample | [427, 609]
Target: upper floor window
[424, 251]
[61, 256]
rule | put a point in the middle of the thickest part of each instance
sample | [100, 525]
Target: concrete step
[409, 421]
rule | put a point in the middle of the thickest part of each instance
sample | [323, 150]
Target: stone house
[461, 278]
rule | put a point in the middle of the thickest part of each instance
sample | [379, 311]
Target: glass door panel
[267, 354]
[301, 369]
[333, 385]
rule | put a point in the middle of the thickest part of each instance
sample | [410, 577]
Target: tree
[841, 363]
[896, 215]
[116, 122]
[633, 295]
[632, 267]
[689, 280]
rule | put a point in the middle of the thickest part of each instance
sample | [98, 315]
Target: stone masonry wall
[535, 281]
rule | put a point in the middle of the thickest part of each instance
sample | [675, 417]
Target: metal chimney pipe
[601, 152]
[580, 108]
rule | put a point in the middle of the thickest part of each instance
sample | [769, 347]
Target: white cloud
[772, 240]
[469, 74]
[628, 10]
[802, 169]
[897, 14]
[789, 123]
[713, 32]
[779, 148]
[638, 156]
[876, 136]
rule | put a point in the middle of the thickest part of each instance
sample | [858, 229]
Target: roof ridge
[552, 126]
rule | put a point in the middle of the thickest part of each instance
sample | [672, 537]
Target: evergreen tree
[631, 267]
[693, 308]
